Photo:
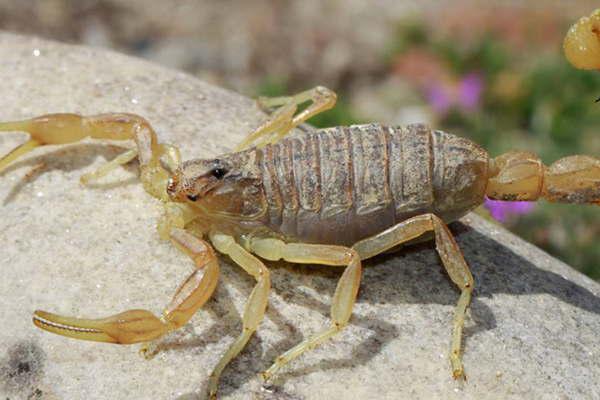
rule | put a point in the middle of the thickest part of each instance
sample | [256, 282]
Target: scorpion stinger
[521, 175]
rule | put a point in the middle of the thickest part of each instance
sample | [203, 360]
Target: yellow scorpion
[334, 197]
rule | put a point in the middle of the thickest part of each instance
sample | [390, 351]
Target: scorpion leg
[452, 259]
[283, 120]
[105, 169]
[345, 292]
[278, 125]
[135, 326]
[68, 128]
[255, 306]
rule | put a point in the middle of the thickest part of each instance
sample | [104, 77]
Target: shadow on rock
[412, 276]
[21, 369]
[510, 273]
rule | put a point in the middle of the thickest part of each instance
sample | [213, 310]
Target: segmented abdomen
[339, 185]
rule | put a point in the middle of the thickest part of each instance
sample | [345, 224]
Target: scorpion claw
[71, 327]
[56, 129]
[46, 129]
[131, 326]
[16, 153]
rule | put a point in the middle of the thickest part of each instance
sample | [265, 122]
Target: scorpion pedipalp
[135, 326]
[68, 128]
[52, 129]
[128, 327]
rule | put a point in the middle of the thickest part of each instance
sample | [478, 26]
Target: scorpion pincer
[334, 197]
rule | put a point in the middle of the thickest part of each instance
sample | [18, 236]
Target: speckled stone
[534, 330]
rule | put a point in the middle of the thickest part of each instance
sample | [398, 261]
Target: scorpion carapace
[332, 197]
[226, 187]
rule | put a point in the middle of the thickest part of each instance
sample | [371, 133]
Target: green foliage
[408, 35]
[273, 86]
[569, 231]
[341, 114]
[487, 56]
[569, 95]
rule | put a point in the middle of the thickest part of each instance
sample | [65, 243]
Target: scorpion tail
[520, 175]
[574, 179]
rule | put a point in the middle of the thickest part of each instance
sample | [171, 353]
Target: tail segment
[520, 175]
[574, 179]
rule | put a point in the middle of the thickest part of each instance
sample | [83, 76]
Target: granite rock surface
[534, 326]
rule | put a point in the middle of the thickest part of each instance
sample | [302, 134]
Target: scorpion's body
[331, 197]
[343, 184]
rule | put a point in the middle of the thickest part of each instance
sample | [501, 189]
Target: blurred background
[490, 71]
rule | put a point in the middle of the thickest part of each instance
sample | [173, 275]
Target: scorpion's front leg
[283, 120]
[451, 257]
[254, 310]
[136, 326]
[345, 292]
[69, 128]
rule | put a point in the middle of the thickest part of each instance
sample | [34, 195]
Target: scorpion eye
[193, 197]
[218, 172]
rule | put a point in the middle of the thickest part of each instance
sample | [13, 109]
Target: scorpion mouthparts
[172, 187]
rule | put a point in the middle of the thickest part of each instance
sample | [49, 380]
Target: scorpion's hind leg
[451, 257]
[345, 292]
[283, 120]
[135, 326]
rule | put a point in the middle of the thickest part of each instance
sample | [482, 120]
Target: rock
[534, 326]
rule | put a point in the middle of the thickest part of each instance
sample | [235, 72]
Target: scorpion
[334, 197]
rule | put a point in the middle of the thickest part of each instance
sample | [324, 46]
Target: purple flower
[465, 94]
[439, 98]
[503, 210]
[469, 92]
